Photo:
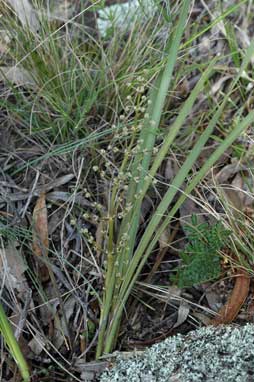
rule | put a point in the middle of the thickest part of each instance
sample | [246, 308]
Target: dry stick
[235, 301]
[139, 344]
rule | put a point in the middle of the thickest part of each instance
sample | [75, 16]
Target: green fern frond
[201, 258]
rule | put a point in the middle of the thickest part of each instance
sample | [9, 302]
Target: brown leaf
[235, 301]
[40, 233]
[12, 268]
[213, 297]
[40, 228]
[229, 171]
[60, 329]
[37, 344]
[182, 314]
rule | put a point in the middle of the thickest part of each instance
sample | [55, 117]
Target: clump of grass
[78, 79]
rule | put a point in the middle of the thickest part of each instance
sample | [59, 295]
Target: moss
[212, 354]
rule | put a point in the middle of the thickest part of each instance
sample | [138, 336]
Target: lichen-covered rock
[121, 13]
[212, 354]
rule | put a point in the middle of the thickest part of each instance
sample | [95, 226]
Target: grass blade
[13, 345]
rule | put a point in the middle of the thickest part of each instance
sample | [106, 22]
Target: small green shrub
[201, 260]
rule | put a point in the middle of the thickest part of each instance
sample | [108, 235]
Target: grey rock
[212, 354]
